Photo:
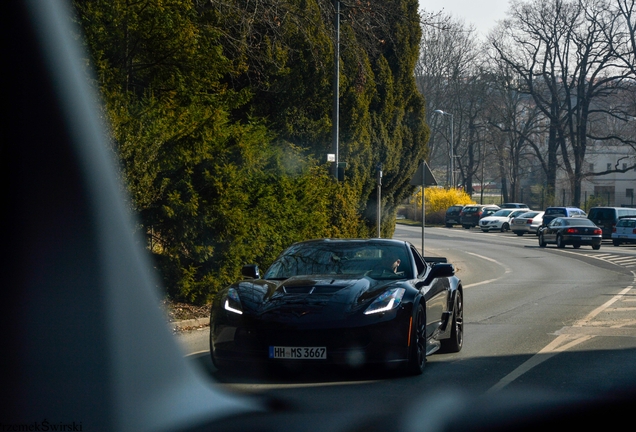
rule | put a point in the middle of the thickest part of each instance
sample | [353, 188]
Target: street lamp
[452, 170]
[336, 92]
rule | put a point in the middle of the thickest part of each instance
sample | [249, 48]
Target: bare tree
[626, 50]
[568, 65]
[446, 74]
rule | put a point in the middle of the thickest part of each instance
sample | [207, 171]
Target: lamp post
[452, 168]
[336, 91]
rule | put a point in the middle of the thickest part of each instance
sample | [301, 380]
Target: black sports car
[350, 302]
[571, 230]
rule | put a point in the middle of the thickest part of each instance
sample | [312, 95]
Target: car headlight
[387, 301]
[233, 302]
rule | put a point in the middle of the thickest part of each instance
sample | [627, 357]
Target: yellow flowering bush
[439, 199]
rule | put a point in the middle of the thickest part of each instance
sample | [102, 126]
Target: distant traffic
[559, 225]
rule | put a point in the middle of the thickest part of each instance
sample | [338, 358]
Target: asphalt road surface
[559, 320]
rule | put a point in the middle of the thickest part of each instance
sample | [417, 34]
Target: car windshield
[348, 258]
[629, 223]
[578, 222]
[555, 211]
[503, 212]
[219, 118]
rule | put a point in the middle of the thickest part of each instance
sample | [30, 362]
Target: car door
[549, 235]
[435, 292]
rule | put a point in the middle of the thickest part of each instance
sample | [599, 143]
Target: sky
[482, 13]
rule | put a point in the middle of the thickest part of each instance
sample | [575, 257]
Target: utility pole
[378, 180]
[336, 91]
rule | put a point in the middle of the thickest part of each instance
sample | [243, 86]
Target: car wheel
[559, 242]
[541, 241]
[616, 242]
[596, 247]
[449, 225]
[456, 340]
[505, 227]
[576, 246]
[519, 233]
[417, 357]
[466, 226]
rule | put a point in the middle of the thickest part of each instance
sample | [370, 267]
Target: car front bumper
[382, 342]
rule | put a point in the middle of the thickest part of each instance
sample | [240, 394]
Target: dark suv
[470, 214]
[607, 217]
[452, 215]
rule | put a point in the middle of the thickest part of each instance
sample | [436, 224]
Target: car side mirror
[251, 271]
[440, 270]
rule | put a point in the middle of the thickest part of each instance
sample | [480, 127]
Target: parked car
[452, 215]
[624, 231]
[500, 220]
[555, 212]
[471, 214]
[514, 205]
[340, 301]
[575, 231]
[528, 222]
[607, 217]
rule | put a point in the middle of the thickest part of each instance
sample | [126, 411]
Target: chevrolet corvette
[341, 301]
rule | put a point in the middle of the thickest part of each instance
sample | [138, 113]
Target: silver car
[528, 222]
[624, 231]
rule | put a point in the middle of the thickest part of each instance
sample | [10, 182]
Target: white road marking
[562, 343]
[507, 270]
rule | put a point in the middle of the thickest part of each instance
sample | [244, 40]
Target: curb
[184, 324]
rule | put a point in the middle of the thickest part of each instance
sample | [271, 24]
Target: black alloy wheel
[559, 242]
[417, 357]
[456, 340]
[541, 241]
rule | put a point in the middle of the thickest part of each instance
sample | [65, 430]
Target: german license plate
[300, 353]
[586, 238]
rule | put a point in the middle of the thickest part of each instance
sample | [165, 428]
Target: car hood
[495, 218]
[310, 297]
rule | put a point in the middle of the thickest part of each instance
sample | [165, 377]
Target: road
[562, 320]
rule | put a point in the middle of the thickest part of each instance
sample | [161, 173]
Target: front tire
[417, 355]
[541, 241]
[505, 227]
[456, 341]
